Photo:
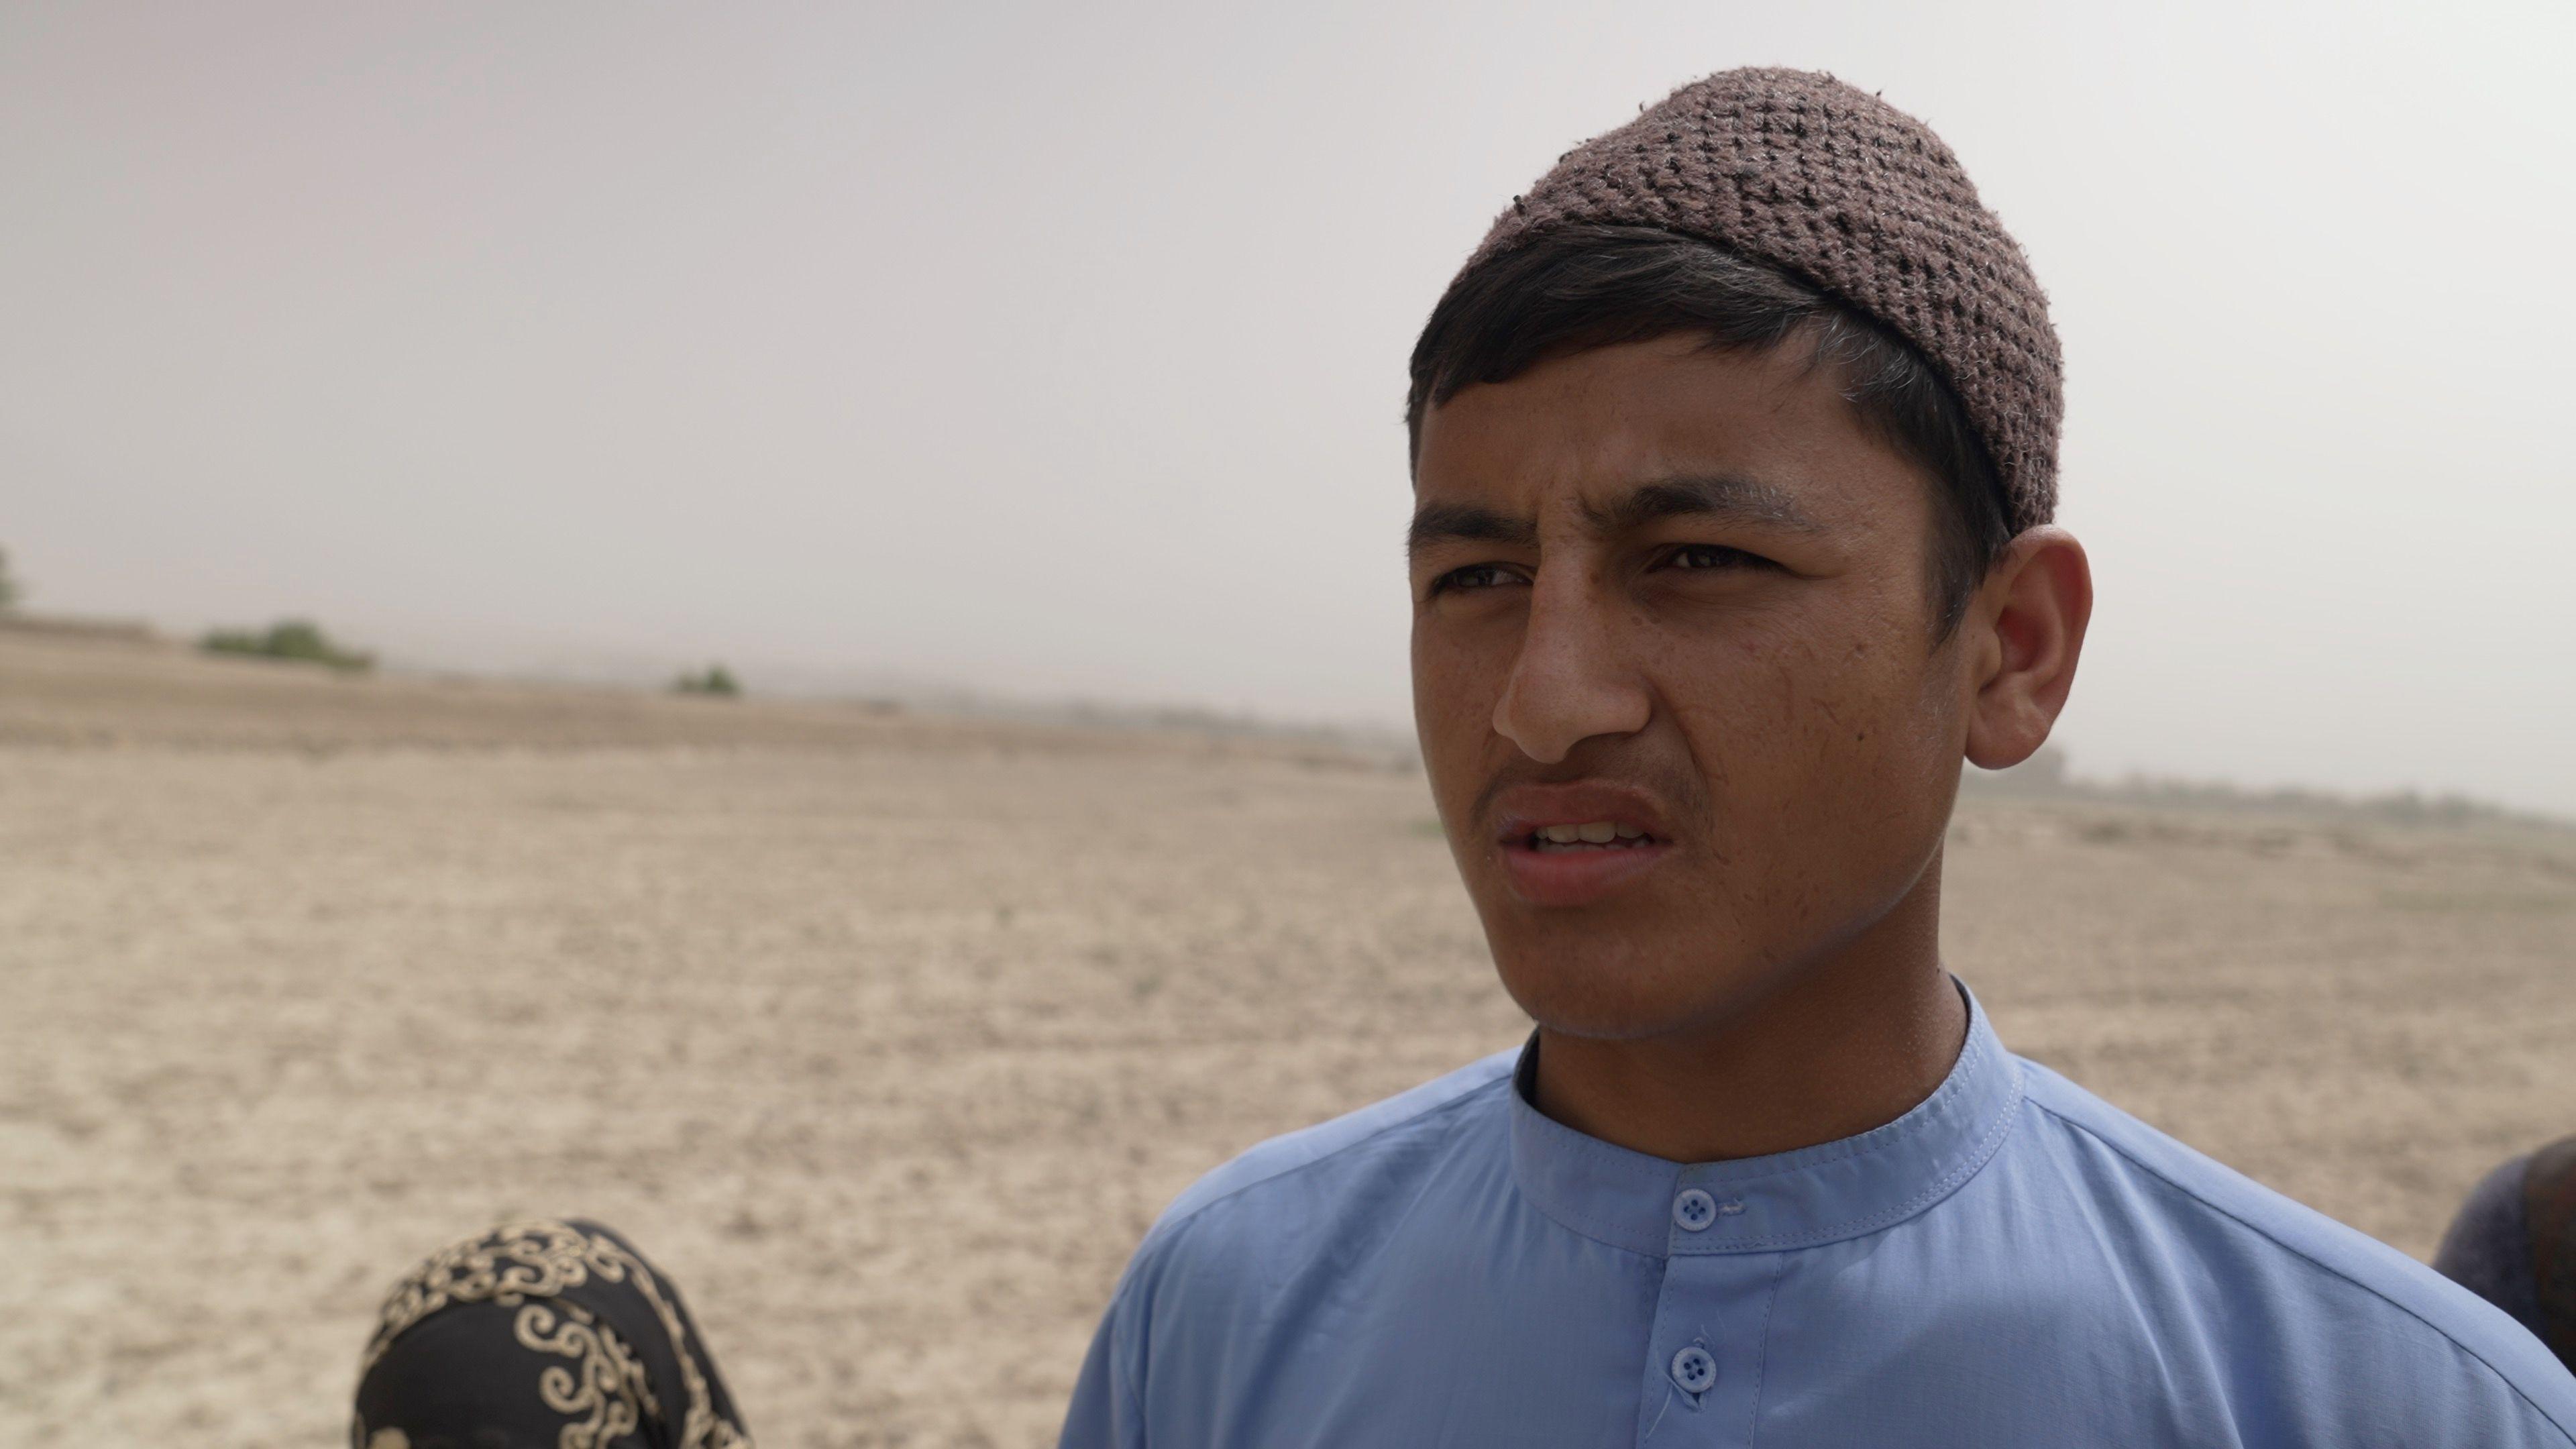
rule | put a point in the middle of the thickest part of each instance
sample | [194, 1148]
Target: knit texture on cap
[1854, 196]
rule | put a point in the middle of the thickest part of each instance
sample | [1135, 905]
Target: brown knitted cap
[1803, 172]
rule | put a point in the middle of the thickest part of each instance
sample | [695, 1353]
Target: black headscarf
[541, 1334]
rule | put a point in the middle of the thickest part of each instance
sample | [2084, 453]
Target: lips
[1522, 811]
[1577, 844]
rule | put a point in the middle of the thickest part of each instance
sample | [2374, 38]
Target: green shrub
[289, 639]
[717, 680]
[8, 584]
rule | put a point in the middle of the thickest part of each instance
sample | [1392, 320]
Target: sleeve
[1105, 1412]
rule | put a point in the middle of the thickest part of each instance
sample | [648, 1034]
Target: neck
[1845, 1042]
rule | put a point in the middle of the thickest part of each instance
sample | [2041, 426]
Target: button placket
[1711, 1315]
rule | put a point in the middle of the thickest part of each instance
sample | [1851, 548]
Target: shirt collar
[1796, 1199]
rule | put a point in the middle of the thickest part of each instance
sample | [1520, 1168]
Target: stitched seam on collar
[1858, 1146]
[1566, 1216]
[1950, 1182]
[1901, 1132]
[1957, 1089]
[1446, 1105]
[1583, 1228]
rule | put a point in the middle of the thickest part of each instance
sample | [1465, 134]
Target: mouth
[1591, 835]
[1574, 845]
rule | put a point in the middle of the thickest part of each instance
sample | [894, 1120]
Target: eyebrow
[1724, 495]
[1466, 523]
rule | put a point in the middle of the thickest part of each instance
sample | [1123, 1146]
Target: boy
[1734, 452]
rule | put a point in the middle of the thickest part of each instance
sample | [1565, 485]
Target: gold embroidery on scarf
[539, 1258]
[610, 1390]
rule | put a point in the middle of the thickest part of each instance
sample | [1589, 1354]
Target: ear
[2029, 623]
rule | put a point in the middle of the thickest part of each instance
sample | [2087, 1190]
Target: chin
[1626, 993]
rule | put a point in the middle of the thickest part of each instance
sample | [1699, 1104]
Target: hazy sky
[1060, 349]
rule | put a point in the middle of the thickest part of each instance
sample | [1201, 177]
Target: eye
[1472, 577]
[1703, 557]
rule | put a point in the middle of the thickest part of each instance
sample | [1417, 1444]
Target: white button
[1695, 1369]
[1694, 1210]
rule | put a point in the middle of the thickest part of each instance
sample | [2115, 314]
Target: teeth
[1591, 832]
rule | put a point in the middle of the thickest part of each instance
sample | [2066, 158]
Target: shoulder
[1277, 1198]
[2287, 1268]
[1212, 1282]
[1347, 1144]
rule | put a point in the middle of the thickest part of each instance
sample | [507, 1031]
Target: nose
[1570, 680]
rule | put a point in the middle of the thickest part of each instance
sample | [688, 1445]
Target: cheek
[1454, 690]
[1791, 719]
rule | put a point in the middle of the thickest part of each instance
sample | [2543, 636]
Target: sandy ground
[887, 1036]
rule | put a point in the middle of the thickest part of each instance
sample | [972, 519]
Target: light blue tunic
[2014, 1262]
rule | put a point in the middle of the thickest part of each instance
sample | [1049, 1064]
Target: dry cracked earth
[887, 1035]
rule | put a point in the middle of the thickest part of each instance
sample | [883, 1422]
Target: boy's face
[1682, 593]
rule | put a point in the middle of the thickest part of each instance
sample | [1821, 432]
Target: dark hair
[1574, 288]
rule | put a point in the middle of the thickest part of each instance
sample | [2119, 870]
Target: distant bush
[9, 590]
[717, 680]
[289, 639]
